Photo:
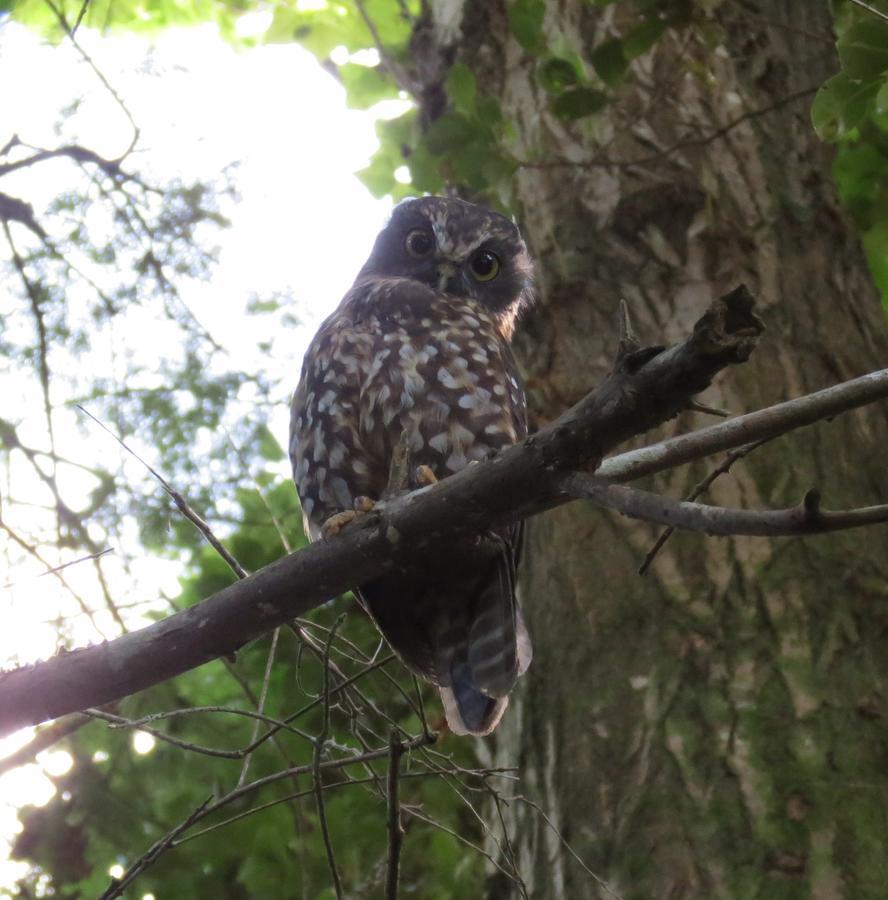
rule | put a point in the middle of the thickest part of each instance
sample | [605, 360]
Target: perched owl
[418, 353]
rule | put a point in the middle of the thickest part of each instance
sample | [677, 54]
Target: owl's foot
[340, 520]
[424, 476]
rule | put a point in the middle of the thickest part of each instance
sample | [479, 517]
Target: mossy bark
[718, 727]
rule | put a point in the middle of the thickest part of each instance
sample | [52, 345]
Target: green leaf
[378, 177]
[610, 62]
[526, 23]
[268, 445]
[425, 170]
[555, 74]
[461, 87]
[875, 242]
[579, 102]
[365, 85]
[863, 49]
[881, 105]
[643, 37]
[450, 132]
[256, 305]
[840, 105]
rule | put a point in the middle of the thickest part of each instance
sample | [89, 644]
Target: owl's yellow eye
[419, 243]
[484, 265]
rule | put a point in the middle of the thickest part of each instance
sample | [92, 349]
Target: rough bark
[717, 728]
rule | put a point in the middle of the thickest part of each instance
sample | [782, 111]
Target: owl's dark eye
[419, 243]
[484, 265]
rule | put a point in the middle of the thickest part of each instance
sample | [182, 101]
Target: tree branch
[806, 518]
[646, 388]
[395, 829]
[764, 423]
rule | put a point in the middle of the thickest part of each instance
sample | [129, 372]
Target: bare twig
[80, 15]
[871, 9]
[177, 498]
[63, 21]
[597, 878]
[316, 767]
[141, 723]
[44, 739]
[395, 829]
[266, 679]
[806, 518]
[402, 79]
[699, 489]
[117, 886]
[55, 569]
[35, 552]
[348, 782]
[208, 808]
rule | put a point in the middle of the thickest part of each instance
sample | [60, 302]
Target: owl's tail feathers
[468, 711]
[461, 630]
[484, 669]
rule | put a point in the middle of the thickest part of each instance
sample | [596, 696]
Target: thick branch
[647, 388]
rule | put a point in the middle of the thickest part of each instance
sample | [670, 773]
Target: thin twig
[44, 739]
[266, 679]
[208, 808]
[597, 878]
[871, 9]
[316, 767]
[395, 829]
[278, 724]
[177, 498]
[35, 552]
[397, 72]
[309, 792]
[117, 885]
[699, 489]
[60, 15]
[73, 562]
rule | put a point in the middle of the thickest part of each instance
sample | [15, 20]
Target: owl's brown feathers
[419, 347]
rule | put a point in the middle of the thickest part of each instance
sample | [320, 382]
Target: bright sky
[304, 226]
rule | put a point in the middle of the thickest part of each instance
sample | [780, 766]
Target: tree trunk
[715, 728]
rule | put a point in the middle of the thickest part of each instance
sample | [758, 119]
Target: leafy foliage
[851, 109]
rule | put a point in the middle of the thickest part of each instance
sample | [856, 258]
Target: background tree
[712, 729]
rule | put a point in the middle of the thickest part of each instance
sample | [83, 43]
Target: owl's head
[456, 248]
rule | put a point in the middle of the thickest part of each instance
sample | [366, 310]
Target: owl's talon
[337, 522]
[364, 504]
[424, 476]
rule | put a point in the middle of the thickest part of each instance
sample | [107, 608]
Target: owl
[417, 355]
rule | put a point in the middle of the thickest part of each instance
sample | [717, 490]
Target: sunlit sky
[303, 226]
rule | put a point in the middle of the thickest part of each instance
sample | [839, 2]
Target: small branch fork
[648, 386]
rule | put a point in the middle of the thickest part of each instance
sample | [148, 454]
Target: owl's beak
[446, 271]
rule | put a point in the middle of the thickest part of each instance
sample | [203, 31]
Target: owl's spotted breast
[395, 358]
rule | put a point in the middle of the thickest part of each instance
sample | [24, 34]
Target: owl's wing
[459, 627]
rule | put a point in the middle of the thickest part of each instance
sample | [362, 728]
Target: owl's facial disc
[455, 248]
